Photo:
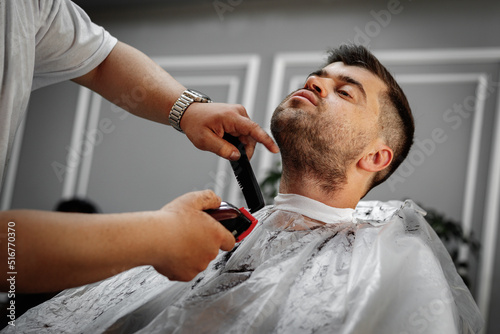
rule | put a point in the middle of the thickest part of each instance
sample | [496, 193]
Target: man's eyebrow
[344, 78]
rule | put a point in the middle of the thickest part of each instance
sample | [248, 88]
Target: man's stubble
[315, 144]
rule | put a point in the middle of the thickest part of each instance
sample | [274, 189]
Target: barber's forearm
[54, 250]
[131, 80]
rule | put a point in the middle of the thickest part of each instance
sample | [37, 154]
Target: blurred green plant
[449, 231]
[453, 237]
[270, 184]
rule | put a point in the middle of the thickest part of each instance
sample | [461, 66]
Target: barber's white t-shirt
[42, 42]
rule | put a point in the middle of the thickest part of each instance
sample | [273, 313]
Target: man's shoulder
[384, 210]
[403, 219]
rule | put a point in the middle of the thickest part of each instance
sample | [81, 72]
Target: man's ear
[377, 159]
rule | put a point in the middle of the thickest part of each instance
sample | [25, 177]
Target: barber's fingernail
[235, 155]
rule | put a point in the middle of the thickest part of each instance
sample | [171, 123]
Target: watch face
[198, 96]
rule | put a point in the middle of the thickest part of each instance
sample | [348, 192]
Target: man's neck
[341, 198]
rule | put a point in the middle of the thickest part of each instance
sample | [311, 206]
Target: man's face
[327, 125]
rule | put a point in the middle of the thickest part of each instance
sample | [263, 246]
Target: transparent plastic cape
[382, 271]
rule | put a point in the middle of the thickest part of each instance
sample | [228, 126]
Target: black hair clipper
[240, 222]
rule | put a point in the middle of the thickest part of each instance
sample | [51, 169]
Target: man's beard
[313, 146]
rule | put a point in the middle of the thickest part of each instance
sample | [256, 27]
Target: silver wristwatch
[183, 102]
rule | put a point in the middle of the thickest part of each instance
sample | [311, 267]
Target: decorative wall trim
[75, 146]
[89, 106]
[481, 81]
[251, 65]
[439, 56]
[11, 168]
[491, 220]
[86, 163]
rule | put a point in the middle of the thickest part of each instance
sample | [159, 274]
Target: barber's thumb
[205, 199]
[233, 154]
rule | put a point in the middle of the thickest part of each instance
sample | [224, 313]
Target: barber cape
[306, 268]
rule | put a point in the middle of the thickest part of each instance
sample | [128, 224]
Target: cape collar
[312, 208]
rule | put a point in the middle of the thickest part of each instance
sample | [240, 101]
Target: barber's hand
[205, 123]
[193, 238]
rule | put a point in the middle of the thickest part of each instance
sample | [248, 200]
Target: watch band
[183, 102]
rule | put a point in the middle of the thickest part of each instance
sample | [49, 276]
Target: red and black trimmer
[240, 222]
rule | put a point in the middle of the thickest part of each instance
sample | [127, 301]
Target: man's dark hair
[395, 122]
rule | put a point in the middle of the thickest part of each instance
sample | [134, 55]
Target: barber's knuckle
[231, 115]
[243, 111]
[205, 192]
[254, 125]
[209, 195]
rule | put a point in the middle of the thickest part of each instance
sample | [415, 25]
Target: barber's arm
[130, 79]
[56, 250]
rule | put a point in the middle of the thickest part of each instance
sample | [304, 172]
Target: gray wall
[136, 167]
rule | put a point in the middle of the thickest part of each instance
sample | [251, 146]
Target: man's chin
[283, 118]
[291, 112]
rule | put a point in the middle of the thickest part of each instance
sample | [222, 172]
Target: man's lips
[306, 94]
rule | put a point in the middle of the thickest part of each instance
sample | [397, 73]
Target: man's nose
[317, 84]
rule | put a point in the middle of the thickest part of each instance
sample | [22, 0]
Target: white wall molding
[481, 82]
[491, 220]
[251, 65]
[11, 168]
[75, 146]
[89, 106]
[86, 162]
[439, 56]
